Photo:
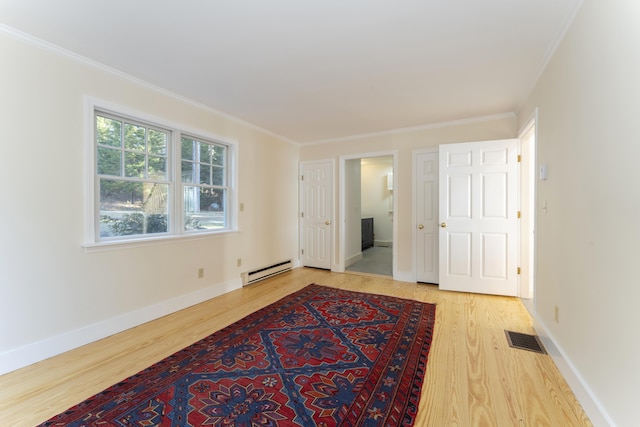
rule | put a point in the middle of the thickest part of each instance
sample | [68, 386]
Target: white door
[316, 213]
[478, 217]
[426, 176]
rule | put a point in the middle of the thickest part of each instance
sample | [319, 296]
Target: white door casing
[478, 217]
[316, 191]
[427, 229]
[527, 207]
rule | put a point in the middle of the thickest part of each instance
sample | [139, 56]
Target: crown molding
[461, 122]
[551, 50]
[60, 51]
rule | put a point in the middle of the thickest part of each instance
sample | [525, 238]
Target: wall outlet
[239, 262]
[556, 314]
[200, 273]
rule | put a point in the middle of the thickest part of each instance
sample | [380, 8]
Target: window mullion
[146, 152]
[176, 178]
[123, 157]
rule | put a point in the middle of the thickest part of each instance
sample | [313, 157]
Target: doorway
[368, 213]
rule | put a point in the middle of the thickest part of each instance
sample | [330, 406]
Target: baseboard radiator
[263, 272]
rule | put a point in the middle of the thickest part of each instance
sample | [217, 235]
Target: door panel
[494, 246]
[494, 196]
[478, 216]
[316, 214]
[459, 191]
[460, 245]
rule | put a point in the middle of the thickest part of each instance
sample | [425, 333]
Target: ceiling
[316, 70]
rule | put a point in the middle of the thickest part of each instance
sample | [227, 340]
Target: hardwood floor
[473, 377]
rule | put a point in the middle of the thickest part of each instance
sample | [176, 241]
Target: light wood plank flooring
[473, 377]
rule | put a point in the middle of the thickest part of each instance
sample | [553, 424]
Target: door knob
[327, 223]
[420, 227]
[443, 225]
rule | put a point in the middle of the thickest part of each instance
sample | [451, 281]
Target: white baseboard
[35, 352]
[352, 260]
[404, 276]
[591, 405]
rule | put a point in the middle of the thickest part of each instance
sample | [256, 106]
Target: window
[137, 194]
[203, 182]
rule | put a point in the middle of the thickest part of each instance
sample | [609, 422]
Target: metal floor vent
[525, 342]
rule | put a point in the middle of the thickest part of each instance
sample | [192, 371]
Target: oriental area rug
[318, 357]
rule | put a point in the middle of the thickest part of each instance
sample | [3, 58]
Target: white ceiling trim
[438, 66]
[60, 51]
[550, 52]
[461, 122]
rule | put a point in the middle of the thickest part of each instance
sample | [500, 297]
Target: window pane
[157, 142]
[187, 172]
[188, 148]
[218, 176]
[205, 174]
[134, 165]
[108, 131]
[157, 167]
[109, 161]
[205, 152]
[218, 155]
[132, 208]
[134, 137]
[204, 209]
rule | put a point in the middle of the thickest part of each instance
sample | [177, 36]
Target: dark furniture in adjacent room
[367, 233]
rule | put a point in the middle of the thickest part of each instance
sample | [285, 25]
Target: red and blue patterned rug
[318, 357]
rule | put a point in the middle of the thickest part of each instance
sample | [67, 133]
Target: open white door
[426, 182]
[316, 191]
[478, 217]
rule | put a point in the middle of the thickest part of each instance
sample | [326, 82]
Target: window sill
[153, 241]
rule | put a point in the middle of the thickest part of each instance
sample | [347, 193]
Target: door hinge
[302, 251]
[301, 177]
[519, 158]
[519, 214]
[518, 270]
[302, 214]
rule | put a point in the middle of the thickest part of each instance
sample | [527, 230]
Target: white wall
[405, 141]
[377, 202]
[53, 294]
[589, 241]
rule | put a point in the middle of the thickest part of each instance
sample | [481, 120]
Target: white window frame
[92, 241]
[197, 161]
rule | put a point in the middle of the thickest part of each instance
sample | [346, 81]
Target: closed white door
[316, 180]
[426, 176]
[478, 217]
